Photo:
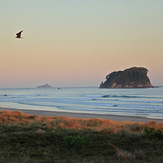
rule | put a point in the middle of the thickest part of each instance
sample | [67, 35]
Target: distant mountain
[135, 77]
[45, 86]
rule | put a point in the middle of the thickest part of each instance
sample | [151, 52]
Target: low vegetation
[30, 138]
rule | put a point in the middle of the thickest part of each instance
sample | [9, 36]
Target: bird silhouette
[18, 35]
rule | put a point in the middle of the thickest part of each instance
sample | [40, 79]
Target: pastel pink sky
[78, 43]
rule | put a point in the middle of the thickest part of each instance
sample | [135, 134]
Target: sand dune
[84, 115]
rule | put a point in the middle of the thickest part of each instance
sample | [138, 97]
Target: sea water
[145, 102]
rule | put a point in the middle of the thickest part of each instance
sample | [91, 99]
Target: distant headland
[135, 77]
[45, 86]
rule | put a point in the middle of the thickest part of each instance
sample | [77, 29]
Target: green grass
[38, 143]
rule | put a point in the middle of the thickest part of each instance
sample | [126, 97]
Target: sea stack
[135, 77]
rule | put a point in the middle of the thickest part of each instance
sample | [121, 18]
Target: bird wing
[19, 34]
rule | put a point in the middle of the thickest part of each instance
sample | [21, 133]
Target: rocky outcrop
[135, 77]
[45, 86]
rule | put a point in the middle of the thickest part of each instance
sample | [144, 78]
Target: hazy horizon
[77, 43]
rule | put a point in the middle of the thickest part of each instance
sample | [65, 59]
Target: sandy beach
[84, 115]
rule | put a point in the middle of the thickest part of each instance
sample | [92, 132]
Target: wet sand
[84, 115]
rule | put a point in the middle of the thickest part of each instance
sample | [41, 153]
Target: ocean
[145, 102]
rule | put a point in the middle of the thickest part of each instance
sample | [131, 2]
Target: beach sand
[84, 115]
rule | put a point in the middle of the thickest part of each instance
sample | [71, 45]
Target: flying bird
[18, 35]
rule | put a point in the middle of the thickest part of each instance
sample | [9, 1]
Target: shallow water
[145, 102]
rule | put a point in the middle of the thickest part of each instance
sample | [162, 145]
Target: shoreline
[84, 115]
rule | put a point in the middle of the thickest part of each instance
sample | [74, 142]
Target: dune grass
[30, 138]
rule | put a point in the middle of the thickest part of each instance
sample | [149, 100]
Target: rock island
[45, 86]
[135, 77]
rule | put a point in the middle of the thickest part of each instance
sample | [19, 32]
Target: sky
[75, 43]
